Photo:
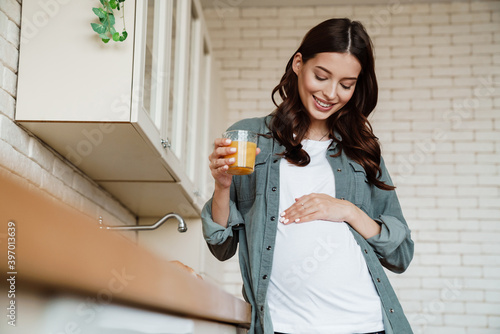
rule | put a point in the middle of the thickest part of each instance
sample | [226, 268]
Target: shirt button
[342, 198]
[262, 308]
[268, 247]
[391, 310]
[378, 280]
[275, 161]
[366, 251]
[274, 189]
[273, 218]
[264, 277]
[339, 170]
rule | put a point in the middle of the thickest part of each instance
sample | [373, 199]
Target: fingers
[221, 163]
[297, 212]
[222, 142]
[312, 207]
[221, 150]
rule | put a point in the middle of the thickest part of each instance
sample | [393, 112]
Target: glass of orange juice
[245, 143]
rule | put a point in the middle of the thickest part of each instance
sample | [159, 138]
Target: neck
[317, 133]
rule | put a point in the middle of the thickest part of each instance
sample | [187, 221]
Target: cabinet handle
[182, 227]
[166, 143]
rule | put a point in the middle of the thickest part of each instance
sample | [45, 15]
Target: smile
[324, 105]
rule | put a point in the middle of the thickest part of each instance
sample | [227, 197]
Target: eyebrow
[327, 71]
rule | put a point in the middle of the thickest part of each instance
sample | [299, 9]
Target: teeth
[324, 105]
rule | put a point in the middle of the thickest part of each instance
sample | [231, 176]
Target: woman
[319, 217]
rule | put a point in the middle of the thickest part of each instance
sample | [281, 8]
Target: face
[326, 82]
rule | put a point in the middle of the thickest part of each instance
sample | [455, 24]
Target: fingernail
[231, 160]
[297, 220]
[227, 141]
[232, 149]
[282, 219]
[286, 221]
[282, 214]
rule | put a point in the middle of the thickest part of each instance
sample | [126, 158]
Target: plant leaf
[99, 12]
[106, 29]
[111, 19]
[98, 28]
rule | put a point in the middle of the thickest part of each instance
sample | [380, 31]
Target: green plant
[106, 29]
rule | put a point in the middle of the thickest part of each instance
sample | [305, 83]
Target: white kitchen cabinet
[135, 116]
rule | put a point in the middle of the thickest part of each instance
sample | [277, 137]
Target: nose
[330, 91]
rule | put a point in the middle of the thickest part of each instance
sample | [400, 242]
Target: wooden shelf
[60, 248]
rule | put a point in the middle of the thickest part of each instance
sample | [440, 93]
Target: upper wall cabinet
[133, 115]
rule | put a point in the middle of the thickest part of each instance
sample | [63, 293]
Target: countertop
[58, 247]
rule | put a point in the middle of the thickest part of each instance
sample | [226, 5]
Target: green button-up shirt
[254, 216]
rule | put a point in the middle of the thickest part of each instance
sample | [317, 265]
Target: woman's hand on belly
[317, 207]
[325, 207]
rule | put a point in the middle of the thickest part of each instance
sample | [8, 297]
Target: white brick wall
[23, 154]
[439, 122]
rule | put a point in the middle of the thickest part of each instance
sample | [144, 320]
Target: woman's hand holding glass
[219, 164]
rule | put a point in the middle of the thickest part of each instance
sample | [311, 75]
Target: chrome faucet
[182, 227]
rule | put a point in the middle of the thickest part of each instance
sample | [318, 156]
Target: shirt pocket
[260, 172]
[252, 185]
[362, 188]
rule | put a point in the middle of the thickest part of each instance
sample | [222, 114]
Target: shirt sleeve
[222, 241]
[393, 245]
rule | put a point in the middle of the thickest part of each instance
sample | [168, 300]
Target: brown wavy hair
[351, 122]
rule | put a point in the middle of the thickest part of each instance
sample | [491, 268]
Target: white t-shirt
[319, 281]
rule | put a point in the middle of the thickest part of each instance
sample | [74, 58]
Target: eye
[346, 87]
[319, 78]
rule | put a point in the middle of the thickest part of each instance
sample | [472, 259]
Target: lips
[322, 105]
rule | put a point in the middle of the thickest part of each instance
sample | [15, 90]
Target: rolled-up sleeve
[393, 245]
[221, 240]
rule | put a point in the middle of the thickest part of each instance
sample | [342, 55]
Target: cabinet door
[171, 45]
[153, 49]
[180, 63]
[156, 54]
[187, 127]
[193, 89]
[203, 143]
[196, 126]
[66, 74]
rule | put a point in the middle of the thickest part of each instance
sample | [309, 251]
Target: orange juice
[245, 157]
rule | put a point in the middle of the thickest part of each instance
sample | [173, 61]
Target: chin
[321, 115]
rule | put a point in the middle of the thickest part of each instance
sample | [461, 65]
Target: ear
[297, 63]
